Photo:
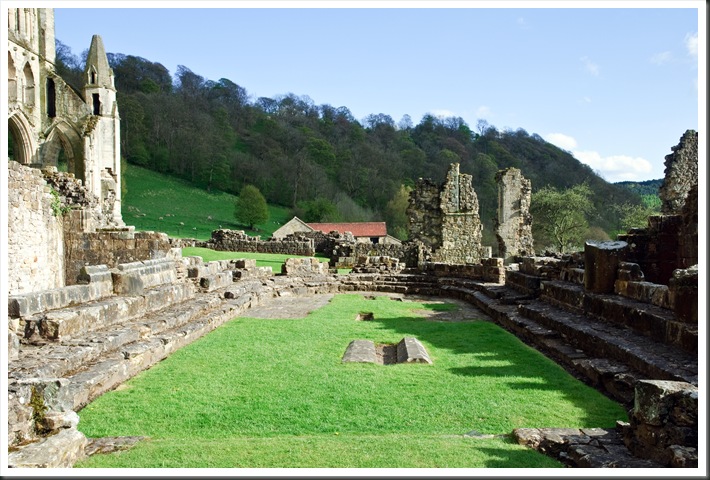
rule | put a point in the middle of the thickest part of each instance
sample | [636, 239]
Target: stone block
[133, 278]
[656, 399]
[62, 450]
[410, 350]
[54, 392]
[304, 267]
[216, 281]
[601, 261]
[360, 351]
[683, 294]
[13, 346]
[245, 263]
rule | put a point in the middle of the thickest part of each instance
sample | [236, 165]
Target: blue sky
[615, 86]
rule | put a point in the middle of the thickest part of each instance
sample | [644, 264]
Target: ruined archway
[63, 149]
[24, 147]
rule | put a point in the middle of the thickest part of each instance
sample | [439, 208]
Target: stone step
[62, 450]
[522, 282]
[145, 342]
[657, 323]
[113, 370]
[613, 377]
[652, 359]
[75, 322]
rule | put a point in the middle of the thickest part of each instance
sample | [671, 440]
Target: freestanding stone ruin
[514, 222]
[680, 175]
[445, 218]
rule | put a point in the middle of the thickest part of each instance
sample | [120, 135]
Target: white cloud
[590, 66]
[565, 142]
[661, 58]
[691, 44]
[586, 100]
[483, 111]
[615, 168]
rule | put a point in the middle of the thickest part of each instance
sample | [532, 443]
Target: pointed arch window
[51, 98]
[29, 93]
[11, 79]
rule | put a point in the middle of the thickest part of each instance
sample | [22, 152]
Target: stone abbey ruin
[91, 302]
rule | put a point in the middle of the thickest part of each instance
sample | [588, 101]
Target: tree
[560, 216]
[251, 207]
[635, 216]
[318, 210]
[396, 213]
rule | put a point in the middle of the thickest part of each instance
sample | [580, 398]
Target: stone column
[601, 261]
[514, 222]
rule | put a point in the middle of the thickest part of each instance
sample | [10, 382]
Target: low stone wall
[304, 267]
[377, 264]
[489, 270]
[663, 425]
[96, 283]
[112, 248]
[630, 283]
[133, 278]
[238, 241]
[346, 255]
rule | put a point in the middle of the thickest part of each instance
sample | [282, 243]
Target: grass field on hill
[166, 204]
[269, 393]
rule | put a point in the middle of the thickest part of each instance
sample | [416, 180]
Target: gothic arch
[11, 79]
[63, 136]
[24, 143]
[29, 86]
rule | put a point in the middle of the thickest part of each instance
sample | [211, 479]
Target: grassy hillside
[162, 203]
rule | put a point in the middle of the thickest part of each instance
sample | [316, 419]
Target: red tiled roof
[360, 229]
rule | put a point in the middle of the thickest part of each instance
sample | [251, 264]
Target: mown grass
[262, 393]
[162, 203]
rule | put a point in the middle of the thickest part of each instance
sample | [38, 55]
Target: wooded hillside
[319, 158]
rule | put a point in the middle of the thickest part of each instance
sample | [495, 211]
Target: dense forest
[318, 159]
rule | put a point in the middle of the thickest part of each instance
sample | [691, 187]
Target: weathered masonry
[445, 218]
[513, 223]
[64, 196]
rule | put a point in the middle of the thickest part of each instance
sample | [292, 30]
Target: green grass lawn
[162, 203]
[260, 393]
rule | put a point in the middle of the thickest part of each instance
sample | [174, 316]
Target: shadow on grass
[501, 358]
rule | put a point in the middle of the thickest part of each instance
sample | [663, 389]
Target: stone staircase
[607, 341]
[73, 352]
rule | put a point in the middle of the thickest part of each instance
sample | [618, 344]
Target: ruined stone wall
[35, 259]
[445, 218]
[513, 223]
[424, 213]
[663, 425]
[347, 254]
[111, 248]
[238, 241]
[670, 241]
[489, 270]
[680, 175]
